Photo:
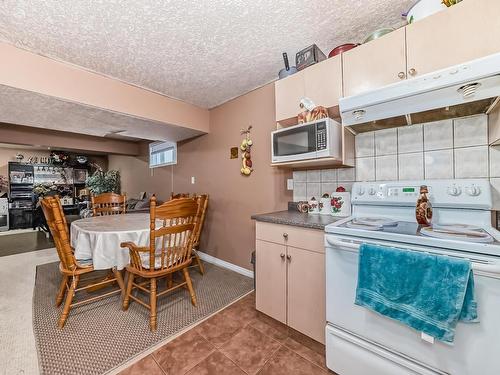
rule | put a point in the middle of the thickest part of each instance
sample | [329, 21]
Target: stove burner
[459, 232]
[371, 223]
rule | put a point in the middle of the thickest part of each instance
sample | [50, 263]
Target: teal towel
[427, 292]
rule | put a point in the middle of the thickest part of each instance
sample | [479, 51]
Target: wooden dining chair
[179, 195]
[108, 204]
[202, 200]
[171, 241]
[74, 272]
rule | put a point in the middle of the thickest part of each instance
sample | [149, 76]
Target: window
[162, 154]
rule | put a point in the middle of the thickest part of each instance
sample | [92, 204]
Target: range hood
[461, 90]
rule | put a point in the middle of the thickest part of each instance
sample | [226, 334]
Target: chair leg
[126, 298]
[152, 301]
[170, 281]
[67, 302]
[189, 285]
[199, 263]
[119, 280]
[62, 290]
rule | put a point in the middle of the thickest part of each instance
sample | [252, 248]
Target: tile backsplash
[455, 148]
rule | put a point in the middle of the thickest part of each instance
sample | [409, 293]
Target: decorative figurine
[423, 210]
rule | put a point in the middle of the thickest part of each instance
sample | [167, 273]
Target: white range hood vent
[462, 88]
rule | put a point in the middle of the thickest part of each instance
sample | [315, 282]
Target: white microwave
[313, 140]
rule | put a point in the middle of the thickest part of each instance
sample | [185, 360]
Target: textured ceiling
[23, 107]
[202, 51]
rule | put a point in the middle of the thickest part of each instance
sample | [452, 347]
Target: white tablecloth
[98, 238]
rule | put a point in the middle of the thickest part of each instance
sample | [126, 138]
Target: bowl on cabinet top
[342, 48]
[378, 34]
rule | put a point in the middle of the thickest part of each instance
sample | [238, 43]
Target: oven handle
[480, 269]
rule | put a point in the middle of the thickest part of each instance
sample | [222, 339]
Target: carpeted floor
[100, 336]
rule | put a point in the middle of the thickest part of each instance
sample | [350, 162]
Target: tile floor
[237, 340]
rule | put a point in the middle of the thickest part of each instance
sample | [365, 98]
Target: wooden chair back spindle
[108, 204]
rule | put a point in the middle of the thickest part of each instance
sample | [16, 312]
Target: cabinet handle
[289, 257]
[412, 71]
[402, 75]
[285, 236]
[282, 256]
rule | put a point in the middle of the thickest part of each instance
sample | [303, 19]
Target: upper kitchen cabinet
[288, 92]
[375, 64]
[464, 32]
[322, 83]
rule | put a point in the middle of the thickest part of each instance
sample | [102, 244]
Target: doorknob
[412, 71]
[289, 257]
[402, 75]
[285, 236]
[282, 256]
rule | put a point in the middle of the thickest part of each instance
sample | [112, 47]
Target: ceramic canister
[325, 206]
[340, 204]
[313, 206]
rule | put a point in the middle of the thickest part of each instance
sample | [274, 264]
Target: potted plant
[104, 182]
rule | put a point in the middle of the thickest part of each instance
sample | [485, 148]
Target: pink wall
[229, 233]
[32, 72]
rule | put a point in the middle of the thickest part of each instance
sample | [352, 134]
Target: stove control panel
[442, 193]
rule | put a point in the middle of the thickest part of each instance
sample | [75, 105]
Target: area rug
[100, 336]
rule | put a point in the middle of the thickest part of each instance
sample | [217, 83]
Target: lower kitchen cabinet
[290, 277]
[270, 279]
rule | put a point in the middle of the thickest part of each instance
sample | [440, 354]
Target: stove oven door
[476, 346]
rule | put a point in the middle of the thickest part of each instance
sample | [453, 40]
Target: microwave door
[295, 144]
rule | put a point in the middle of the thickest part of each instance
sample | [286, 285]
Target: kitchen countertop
[298, 219]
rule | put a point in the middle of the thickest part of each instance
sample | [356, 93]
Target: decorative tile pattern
[494, 161]
[386, 168]
[365, 144]
[471, 131]
[411, 166]
[471, 162]
[365, 169]
[299, 191]
[410, 139]
[438, 135]
[456, 148]
[328, 175]
[386, 142]
[438, 164]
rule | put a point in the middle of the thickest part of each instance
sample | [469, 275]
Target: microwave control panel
[321, 136]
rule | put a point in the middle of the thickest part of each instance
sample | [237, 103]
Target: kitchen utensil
[378, 34]
[422, 9]
[342, 48]
[309, 56]
[288, 70]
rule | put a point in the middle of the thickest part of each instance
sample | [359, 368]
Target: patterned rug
[100, 336]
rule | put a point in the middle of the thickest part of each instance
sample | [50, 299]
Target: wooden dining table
[99, 238]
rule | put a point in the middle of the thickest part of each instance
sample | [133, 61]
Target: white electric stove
[359, 341]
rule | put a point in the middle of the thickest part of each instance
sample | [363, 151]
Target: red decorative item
[340, 189]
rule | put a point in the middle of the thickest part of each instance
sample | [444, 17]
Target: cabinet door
[464, 32]
[375, 64]
[288, 92]
[323, 82]
[306, 292]
[270, 279]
